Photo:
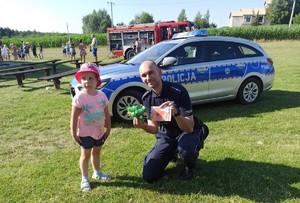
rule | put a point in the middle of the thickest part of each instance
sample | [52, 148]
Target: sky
[65, 16]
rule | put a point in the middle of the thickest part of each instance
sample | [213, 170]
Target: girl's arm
[107, 122]
[74, 122]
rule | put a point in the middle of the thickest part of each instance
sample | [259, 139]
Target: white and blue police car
[212, 68]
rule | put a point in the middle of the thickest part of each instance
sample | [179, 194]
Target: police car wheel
[123, 101]
[249, 91]
[130, 54]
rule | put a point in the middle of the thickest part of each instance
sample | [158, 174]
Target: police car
[212, 68]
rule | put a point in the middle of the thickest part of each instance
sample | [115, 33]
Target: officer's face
[150, 75]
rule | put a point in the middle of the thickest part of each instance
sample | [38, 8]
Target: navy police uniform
[170, 138]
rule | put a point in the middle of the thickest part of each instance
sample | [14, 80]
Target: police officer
[172, 136]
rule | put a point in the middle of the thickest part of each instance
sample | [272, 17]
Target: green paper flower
[137, 111]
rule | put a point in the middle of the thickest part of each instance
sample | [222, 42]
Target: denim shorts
[89, 142]
[94, 51]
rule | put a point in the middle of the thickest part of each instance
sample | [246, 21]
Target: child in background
[14, 51]
[41, 52]
[21, 53]
[64, 50]
[26, 50]
[5, 53]
[68, 50]
[72, 49]
[34, 51]
[82, 48]
[1, 58]
[90, 122]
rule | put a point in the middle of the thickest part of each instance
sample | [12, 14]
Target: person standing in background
[170, 32]
[1, 59]
[138, 45]
[41, 53]
[5, 53]
[34, 50]
[94, 47]
[82, 50]
[27, 51]
[64, 50]
[72, 49]
[68, 50]
[14, 51]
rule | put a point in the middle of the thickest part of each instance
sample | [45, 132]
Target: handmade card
[161, 114]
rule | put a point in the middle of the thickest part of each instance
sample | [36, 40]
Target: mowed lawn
[251, 155]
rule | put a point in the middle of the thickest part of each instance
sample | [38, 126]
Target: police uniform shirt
[170, 92]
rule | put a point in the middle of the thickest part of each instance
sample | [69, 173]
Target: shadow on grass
[62, 90]
[4, 86]
[255, 181]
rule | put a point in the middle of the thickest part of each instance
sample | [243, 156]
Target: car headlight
[104, 83]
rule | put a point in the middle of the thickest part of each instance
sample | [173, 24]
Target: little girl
[90, 122]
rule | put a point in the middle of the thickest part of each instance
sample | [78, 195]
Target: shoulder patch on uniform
[146, 94]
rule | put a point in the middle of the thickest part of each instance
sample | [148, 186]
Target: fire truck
[121, 40]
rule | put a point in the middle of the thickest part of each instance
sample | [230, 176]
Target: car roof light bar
[194, 33]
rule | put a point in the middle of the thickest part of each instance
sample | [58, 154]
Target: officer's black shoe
[186, 173]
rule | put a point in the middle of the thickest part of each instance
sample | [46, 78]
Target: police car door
[189, 70]
[226, 69]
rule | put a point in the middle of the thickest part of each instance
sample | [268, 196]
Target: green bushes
[275, 32]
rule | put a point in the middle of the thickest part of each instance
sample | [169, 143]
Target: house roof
[247, 11]
[267, 2]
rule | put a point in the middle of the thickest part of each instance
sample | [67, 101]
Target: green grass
[251, 154]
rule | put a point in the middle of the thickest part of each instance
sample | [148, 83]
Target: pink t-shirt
[91, 120]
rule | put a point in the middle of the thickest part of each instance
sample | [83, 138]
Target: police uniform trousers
[157, 159]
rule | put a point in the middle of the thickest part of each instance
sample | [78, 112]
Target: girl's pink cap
[88, 67]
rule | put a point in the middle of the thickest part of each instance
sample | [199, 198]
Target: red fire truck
[121, 39]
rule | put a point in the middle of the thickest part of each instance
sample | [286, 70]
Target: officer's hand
[138, 123]
[166, 104]
[171, 105]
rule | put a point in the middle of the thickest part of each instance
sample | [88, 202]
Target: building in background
[247, 16]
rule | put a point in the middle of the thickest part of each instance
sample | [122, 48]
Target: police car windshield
[151, 53]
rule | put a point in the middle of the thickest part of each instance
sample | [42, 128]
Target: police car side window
[219, 50]
[247, 51]
[223, 50]
[189, 53]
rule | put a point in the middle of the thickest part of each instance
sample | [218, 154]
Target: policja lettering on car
[180, 77]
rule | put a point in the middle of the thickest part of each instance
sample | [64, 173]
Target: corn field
[276, 32]
[56, 40]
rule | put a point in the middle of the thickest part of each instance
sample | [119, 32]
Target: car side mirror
[168, 61]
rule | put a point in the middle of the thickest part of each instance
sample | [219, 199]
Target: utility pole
[67, 28]
[111, 13]
[291, 18]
